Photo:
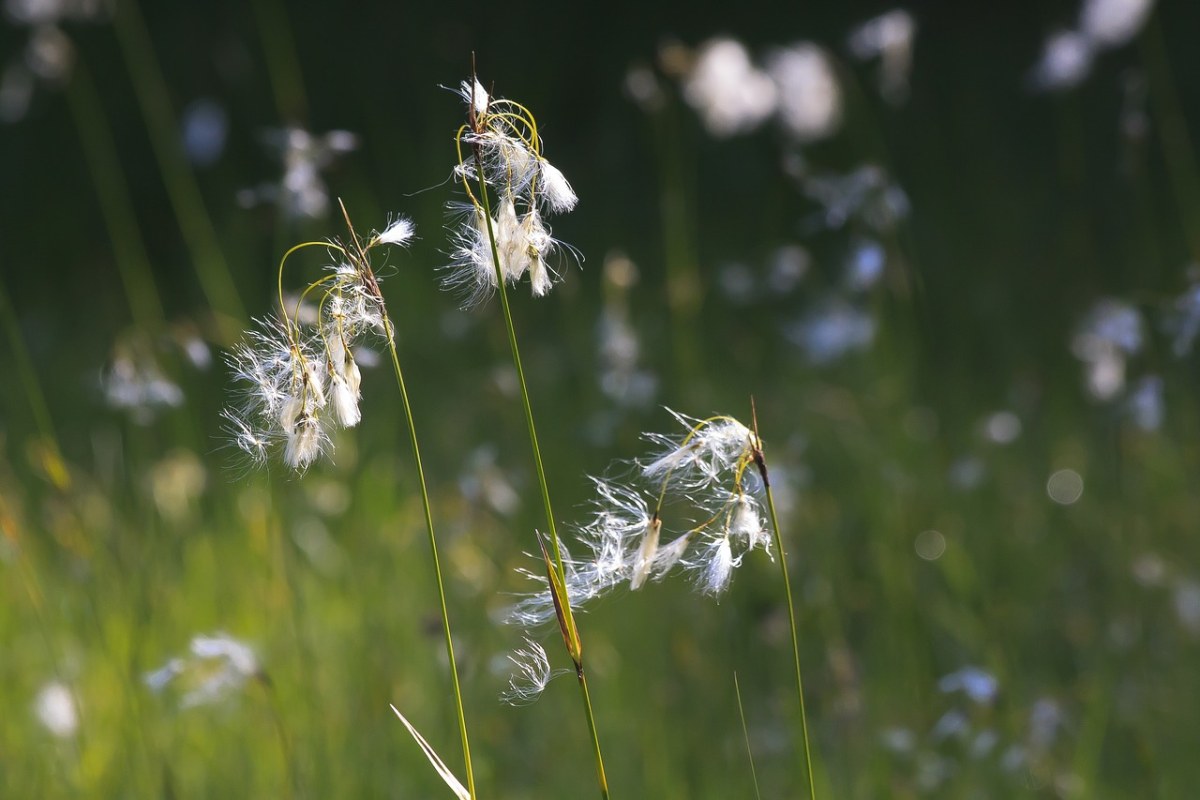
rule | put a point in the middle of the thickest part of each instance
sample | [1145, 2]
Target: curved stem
[437, 566]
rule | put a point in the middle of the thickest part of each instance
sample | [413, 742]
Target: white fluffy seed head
[538, 246]
[314, 381]
[399, 232]
[746, 524]
[557, 193]
[344, 381]
[474, 95]
[510, 241]
[304, 441]
[532, 674]
[718, 567]
[668, 556]
[646, 555]
[345, 401]
[711, 449]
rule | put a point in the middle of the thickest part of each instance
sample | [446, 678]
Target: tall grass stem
[437, 566]
[212, 269]
[129, 250]
[737, 690]
[568, 613]
[787, 592]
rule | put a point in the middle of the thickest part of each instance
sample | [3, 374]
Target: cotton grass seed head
[501, 233]
[297, 373]
[532, 674]
[691, 505]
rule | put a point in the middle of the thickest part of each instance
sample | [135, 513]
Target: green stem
[567, 611]
[737, 690]
[184, 194]
[55, 466]
[283, 67]
[437, 566]
[285, 746]
[601, 778]
[115, 206]
[1173, 135]
[677, 211]
[787, 591]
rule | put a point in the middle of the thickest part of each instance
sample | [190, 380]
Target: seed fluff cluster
[510, 188]
[689, 505]
[298, 373]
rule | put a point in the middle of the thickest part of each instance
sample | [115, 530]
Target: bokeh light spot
[1065, 486]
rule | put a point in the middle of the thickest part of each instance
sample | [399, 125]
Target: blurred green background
[977, 389]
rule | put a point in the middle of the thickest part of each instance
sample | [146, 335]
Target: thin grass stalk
[683, 284]
[100, 154]
[292, 597]
[437, 566]
[285, 745]
[1173, 136]
[567, 617]
[37, 601]
[212, 268]
[283, 65]
[53, 463]
[737, 690]
[787, 593]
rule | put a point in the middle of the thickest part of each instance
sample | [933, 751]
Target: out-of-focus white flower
[482, 481]
[643, 87]
[301, 193]
[134, 382]
[1066, 61]
[831, 331]
[1145, 403]
[810, 98]
[1110, 333]
[953, 724]
[204, 127]
[890, 38]
[865, 265]
[619, 348]
[865, 194]
[216, 667]
[1002, 427]
[1187, 605]
[1184, 324]
[731, 95]
[977, 684]
[1112, 23]
[1045, 719]
[50, 12]
[55, 708]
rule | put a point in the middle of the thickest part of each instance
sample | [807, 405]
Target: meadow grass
[979, 609]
